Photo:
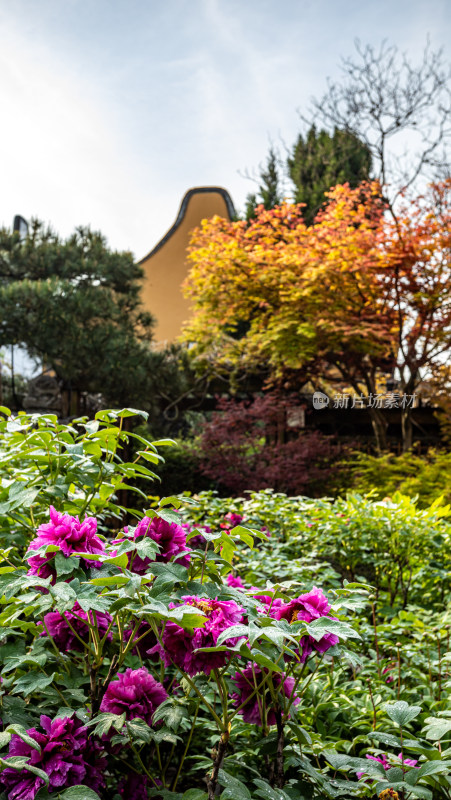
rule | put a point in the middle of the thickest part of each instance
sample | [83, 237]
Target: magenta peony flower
[234, 581]
[136, 692]
[71, 535]
[199, 542]
[179, 646]
[231, 520]
[268, 604]
[308, 607]
[171, 538]
[67, 756]
[409, 762]
[246, 682]
[65, 635]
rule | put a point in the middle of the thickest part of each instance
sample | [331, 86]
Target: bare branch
[400, 111]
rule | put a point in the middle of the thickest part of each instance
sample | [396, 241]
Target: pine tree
[75, 305]
[320, 161]
[270, 191]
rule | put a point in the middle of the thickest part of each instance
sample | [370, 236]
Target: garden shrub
[244, 447]
[187, 650]
[427, 476]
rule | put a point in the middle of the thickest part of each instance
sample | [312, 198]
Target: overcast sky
[112, 109]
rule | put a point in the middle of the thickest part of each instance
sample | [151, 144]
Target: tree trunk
[407, 429]
[380, 425]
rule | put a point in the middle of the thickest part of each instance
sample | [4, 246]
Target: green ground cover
[266, 647]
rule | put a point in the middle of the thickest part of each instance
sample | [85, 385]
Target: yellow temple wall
[166, 267]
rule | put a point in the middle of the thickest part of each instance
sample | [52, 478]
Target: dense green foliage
[270, 192]
[381, 688]
[321, 160]
[75, 305]
[318, 161]
[427, 476]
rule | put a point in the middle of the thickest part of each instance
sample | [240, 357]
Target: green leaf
[103, 722]
[422, 792]
[131, 412]
[323, 625]
[5, 738]
[32, 682]
[118, 561]
[170, 713]
[336, 760]
[139, 729]
[64, 595]
[385, 738]
[147, 548]
[434, 766]
[20, 731]
[234, 789]
[79, 792]
[394, 774]
[266, 792]
[233, 632]
[245, 534]
[401, 713]
[65, 565]
[436, 728]
[264, 661]
[20, 763]
[110, 580]
[168, 515]
[170, 501]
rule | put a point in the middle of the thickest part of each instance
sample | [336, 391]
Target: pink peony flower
[231, 520]
[409, 762]
[390, 678]
[136, 692]
[170, 537]
[308, 607]
[66, 755]
[234, 581]
[64, 629]
[71, 535]
[246, 682]
[179, 646]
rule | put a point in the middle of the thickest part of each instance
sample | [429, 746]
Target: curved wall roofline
[182, 211]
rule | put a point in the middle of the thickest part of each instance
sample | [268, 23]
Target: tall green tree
[321, 160]
[270, 190]
[75, 305]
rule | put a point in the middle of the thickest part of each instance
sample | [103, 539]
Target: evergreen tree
[75, 305]
[320, 161]
[270, 192]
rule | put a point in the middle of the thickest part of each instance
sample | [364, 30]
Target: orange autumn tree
[350, 295]
[417, 246]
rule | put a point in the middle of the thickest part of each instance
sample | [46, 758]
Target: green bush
[427, 477]
[195, 655]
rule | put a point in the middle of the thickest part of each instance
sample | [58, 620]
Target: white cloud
[111, 111]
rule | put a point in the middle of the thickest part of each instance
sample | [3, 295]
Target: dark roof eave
[182, 211]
